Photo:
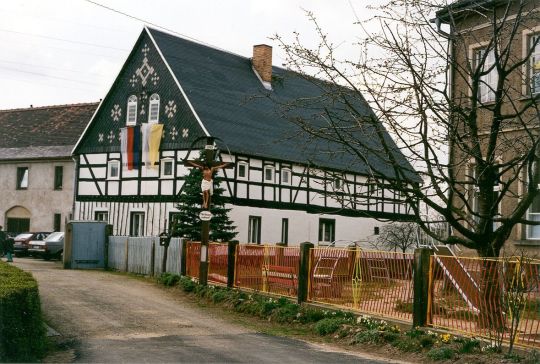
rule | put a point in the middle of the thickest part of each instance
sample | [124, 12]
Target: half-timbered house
[283, 187]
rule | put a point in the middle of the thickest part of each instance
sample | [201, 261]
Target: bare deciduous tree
[457, 112]
[398, 235]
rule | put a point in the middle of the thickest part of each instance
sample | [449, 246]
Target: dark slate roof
[59, 125]
[232, 104]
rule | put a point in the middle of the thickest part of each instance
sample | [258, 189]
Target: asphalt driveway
[115, 318]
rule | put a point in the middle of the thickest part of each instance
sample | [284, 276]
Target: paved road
[115, 318]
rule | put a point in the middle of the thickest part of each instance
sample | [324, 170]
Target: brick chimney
[262, 61]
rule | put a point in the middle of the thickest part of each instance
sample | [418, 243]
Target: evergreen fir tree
[188, 223]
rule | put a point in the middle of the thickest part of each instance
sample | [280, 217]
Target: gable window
[22, 178]
[131, 110]
[153, 109]
[167, 168]
[113, 169]
[101, 216]
[327, 230]
[136, 227]
[533, 73]
[254, 230]
[285, 231]
[286, 176]
[58, 177]
[269, 174]
[487, 82]
[242, 170]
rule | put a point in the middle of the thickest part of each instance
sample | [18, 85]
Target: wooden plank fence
[141, 255]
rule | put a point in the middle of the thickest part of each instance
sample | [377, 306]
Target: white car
[50, 247]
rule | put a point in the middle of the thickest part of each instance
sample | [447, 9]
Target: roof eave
[458, 9]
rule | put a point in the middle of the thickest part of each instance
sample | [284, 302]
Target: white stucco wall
[39, 198]
[302, 225]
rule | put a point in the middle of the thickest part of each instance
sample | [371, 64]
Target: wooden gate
[84, 244]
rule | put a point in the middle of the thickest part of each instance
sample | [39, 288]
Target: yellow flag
[154, 140]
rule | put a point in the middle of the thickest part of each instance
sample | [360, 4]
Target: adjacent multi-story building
[36, 167]
[494, 80]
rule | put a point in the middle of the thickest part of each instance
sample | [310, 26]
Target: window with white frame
[136, 227]
[22, 178]
[533, 73]
[153, 109]
[533, 214]
[327, 230]
[113, 169]
[269, 174]
[533, 231]
[167, 168]
[488, 82]
[254, 229]
[131, 115]
[286, 176]
[243, 170]
[101, 216]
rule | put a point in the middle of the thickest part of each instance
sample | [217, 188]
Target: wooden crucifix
[207, 183]
[208, 166]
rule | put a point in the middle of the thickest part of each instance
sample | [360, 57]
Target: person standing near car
[8, 244]
[3, 244]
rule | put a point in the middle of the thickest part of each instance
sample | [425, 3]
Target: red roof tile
[44, 126]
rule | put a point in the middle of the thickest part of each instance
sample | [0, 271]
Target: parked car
[50, 247]
[22, 241]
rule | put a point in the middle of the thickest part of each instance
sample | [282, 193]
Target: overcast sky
[68, 51]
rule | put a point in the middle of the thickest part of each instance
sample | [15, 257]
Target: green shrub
[288, 312]
[328, 325]
[390, 336]
[468, 346]
[267, 306]
[22, 332]
[443, 353]
[415, 333]
[169, 279]
[309, 315]
[219, 295]
[426, 341]
[407, 344]
[369, 336]
[187, 284]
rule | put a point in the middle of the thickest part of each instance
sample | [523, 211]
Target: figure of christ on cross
[207, 183]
